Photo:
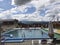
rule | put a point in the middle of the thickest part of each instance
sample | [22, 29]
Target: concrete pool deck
[28, 42]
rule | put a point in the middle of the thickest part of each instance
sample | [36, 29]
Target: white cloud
[1, 9]
[36, 3]
[12, 3]
[27, 17]
[30, 17]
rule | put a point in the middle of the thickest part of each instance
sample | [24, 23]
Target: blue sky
[30, 9]
[6, 5]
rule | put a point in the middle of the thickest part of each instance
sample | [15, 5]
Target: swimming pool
[24, 34]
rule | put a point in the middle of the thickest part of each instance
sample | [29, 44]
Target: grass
[56, 35]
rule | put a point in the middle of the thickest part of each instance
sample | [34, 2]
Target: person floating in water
[23, 35]
[41, 30]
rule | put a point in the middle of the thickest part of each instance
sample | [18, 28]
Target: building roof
[6, 20]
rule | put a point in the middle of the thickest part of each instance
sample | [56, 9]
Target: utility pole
[51, 32]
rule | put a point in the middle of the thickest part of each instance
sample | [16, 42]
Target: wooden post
[0, 33]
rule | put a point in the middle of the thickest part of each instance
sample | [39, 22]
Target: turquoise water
[27, 33]
[19, 35]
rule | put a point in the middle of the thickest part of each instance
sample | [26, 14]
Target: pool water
[26, 33]
[19, 35]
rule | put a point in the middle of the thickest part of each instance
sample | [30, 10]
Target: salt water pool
[26, 34]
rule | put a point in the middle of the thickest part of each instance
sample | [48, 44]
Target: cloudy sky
[36, 10]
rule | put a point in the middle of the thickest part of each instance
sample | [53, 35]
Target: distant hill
[34, 22]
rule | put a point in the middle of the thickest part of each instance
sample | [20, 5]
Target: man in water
[23, 35]
[41, 30]
[42, 33]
